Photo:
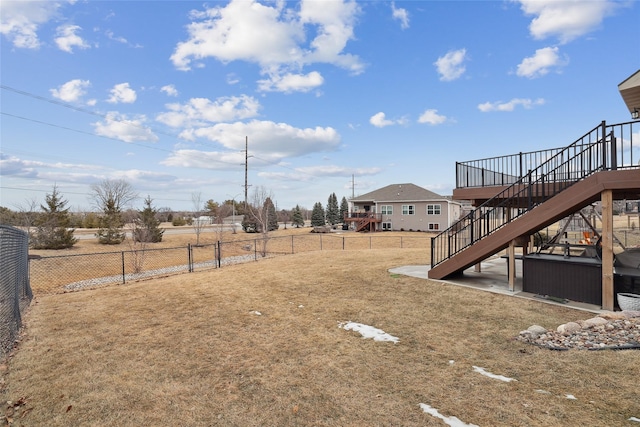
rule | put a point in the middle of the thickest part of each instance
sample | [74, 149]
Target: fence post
[189, 260]
[343, 243]
[219, 254]
[255, 250]
[292, 244]
[123, 273]
[369, 242]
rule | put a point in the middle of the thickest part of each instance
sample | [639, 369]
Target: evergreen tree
[111, 224]
[317, 215]
[147, 225]
[111, 196]
[52, 226]
[344, 208]
[333, 210]
[249, 223]
[297, 220]
[272, 216]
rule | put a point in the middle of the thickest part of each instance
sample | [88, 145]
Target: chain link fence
[67, 273]
[14, 284]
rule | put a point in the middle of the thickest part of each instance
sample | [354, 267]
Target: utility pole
[246, 168]
[353, 186]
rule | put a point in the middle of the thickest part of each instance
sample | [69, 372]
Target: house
[402, 207]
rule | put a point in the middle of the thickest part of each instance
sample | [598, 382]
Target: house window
[408, 209]
[433, 226]
[386, 210]
[386, 226]
[433, 210]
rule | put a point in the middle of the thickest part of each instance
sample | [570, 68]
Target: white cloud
[511, 105]
[14, 166]
[71, 91]
[401, 15]
[380, 120]
[272, 36]
[218, 160]
[202, 111]
[311, 173]
[432, 117]
[291, 82]
[20, 20]
[451, 66]
[232, 79]
[539, 64]
[119, 126]
[67, 38]
[268, 141]
[122, 93]
[170, 90]
[566, 20]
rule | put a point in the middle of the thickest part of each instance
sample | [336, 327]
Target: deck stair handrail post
[547, 176]
[520, 167]
[604, 145]
[614, 151]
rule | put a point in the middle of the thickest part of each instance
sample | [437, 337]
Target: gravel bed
[109, 280]
[613, 331]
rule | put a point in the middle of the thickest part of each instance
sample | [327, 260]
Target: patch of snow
[490, 375]
[634, 419]
[369, 332]
[301, 306]
[543, 391]
[257, 313]
[571, 396]
[451, 362]
[450, 421]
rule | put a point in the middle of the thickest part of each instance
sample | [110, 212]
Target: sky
[313, 97]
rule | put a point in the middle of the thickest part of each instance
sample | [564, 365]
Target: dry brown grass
[88, 259]
[188, 350]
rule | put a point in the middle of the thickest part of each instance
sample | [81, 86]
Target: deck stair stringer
[568, 201]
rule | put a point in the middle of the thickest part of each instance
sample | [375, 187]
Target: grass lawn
[260, 344]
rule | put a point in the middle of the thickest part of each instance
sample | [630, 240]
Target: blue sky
[333, 96]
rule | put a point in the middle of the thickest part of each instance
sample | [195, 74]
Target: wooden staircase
[565, 182]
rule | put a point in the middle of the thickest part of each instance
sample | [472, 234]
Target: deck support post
[511, 253]
[607, 250]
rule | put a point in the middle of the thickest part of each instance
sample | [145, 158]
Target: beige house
[400, 207]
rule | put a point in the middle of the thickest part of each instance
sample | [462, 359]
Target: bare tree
[137, 249]
[259, 214]
[222, 212]
[197, 223]
[28, 214]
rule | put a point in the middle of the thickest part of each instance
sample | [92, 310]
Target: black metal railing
[603, 148]
[507, 170]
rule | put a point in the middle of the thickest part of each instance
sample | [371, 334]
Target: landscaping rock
[618, 331]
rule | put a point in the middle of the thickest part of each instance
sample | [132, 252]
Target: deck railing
[603, 148]
[507, 170]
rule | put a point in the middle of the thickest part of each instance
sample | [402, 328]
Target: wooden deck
[624, 184]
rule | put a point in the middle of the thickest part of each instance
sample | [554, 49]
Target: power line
[106, 117]
[82, 131]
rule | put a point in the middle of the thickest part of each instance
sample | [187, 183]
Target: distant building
[400, 207]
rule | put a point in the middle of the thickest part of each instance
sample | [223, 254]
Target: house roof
[630, 92]
[398, 193]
